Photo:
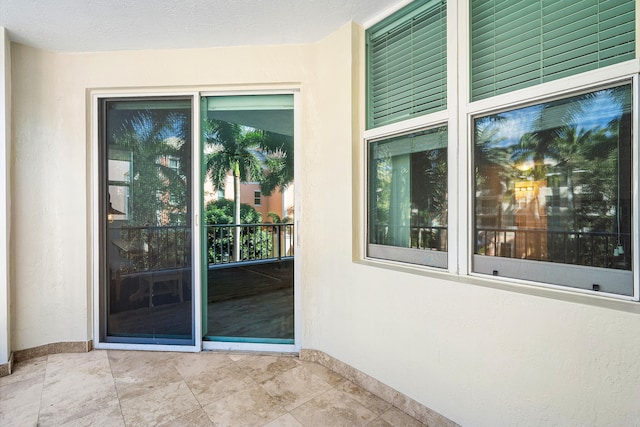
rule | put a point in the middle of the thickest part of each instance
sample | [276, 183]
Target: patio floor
[134, 388]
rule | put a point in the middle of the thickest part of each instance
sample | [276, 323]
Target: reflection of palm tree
[619, 130]
[246, 153]
[491, 159]
[570, 143]
[566, 136]
[153, 137]
[279, 161]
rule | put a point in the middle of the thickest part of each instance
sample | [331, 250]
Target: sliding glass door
[196, 236]
[146, 245]
[248, 212]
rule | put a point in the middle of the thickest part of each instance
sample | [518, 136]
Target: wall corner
[5, 197]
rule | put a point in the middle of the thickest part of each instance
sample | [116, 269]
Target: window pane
[408, 197]
[146, 162]
[553, 183]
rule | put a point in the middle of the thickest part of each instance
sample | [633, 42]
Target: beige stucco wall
[480, 354]
[51, 252]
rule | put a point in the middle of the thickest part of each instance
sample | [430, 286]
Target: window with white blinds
[517, 44]
[407, 64]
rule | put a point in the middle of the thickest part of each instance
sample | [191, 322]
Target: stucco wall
[51, 252]
[480, 354]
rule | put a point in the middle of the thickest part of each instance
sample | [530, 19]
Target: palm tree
[235, 150]
[279, 161]
[250, 155]
[570, 142]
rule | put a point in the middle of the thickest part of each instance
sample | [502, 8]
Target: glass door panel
[248, 228]
[146, 238]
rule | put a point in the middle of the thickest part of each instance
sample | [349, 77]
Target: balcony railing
[259, 242]
[595, 249]
[153, 248]
[167, 247]
[420, 236]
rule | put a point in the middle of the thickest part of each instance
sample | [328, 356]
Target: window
[257, 198]
[510, 152]
[408, 198]
[407, 178]
[119, 181]
[174, 164]
[407, 64]
[553, 185]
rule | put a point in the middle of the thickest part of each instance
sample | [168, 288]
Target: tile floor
[118, 388]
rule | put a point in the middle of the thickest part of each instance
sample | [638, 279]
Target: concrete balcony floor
[134, 388]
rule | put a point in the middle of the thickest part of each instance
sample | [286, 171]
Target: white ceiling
[98, 25]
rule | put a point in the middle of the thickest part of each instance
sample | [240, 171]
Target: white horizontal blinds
[406, 64]
[517, 44]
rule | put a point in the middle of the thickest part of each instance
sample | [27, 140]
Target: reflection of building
[530, 217]
[279, 202]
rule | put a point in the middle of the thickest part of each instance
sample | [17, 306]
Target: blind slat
[573, 37]
[406, 63]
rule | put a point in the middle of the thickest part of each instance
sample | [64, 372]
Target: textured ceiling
[98, 25]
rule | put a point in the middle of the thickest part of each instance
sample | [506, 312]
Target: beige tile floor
[132, 388]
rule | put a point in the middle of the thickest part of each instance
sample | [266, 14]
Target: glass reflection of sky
[590, 112]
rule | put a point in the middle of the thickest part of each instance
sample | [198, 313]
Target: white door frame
[199, 344]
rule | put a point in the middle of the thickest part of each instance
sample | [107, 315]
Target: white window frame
[438, 259]
[458, 117]
[563, 273]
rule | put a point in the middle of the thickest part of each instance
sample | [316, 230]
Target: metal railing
[419, 236]
[259, 242]
[155, 247]
[166, 247]
[596, 249]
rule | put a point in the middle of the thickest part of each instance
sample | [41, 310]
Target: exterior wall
[478, 352]
[272, 203]
[51, 253]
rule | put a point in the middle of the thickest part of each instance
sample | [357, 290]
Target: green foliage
[250, 155]
[275, 218]
[158, 193]
[256, 241]
[221, 212]
[257, 155]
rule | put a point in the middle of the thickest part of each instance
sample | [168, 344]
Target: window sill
[577, 296]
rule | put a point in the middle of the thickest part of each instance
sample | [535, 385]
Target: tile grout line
[44, 380]
[192, 394]
[258, 384]
[115, 386]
